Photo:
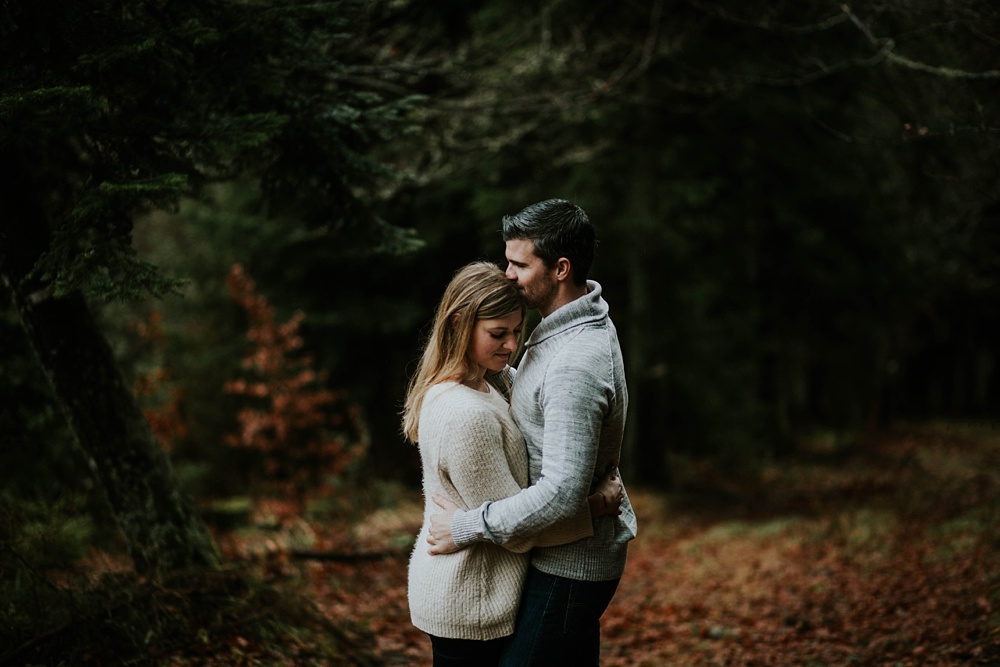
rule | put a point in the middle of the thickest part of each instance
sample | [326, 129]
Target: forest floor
[880, 552]
[887, 553]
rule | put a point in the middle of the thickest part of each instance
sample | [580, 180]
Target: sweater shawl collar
[591, 307]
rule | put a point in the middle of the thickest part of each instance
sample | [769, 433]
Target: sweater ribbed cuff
[466, 527]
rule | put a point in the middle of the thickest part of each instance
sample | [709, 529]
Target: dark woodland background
[226, 225]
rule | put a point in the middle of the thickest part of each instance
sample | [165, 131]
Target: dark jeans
[559, 621]
[467, 652]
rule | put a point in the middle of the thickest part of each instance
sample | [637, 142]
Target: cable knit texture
[472, 451]
[569, 399]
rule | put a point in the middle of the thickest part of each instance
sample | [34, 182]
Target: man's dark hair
[559, 229]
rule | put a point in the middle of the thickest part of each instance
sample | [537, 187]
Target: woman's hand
[607, 498]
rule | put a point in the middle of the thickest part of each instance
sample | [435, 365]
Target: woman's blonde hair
[478, 291]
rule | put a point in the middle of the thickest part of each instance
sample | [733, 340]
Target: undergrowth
[64, 607]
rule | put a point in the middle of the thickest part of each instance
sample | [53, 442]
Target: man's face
[535, 281]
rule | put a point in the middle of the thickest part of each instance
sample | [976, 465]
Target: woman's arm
[606, 500]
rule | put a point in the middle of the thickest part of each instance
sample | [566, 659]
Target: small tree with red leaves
[156, 391]
[304, 432]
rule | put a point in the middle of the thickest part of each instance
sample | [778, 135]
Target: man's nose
[510, 272]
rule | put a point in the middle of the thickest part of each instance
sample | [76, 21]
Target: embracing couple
[526, 523]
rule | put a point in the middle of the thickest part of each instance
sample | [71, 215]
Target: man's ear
[563, 269]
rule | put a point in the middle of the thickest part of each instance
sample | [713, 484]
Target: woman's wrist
[598, 503]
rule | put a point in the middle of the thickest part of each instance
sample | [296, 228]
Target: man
[569, 399]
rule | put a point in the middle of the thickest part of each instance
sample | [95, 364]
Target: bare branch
[947, 72]
[828, 70]
[887, 45]
[652, 36]
[982, 36]
[782, 28]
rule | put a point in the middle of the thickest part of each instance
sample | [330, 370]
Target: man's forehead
[521, 249]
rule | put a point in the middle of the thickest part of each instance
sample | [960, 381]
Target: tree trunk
[161, 531]
[633, 456]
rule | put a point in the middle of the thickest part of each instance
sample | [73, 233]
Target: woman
[472, 451]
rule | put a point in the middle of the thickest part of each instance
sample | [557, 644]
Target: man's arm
[606, 500]
[574, 403]
[467, 446]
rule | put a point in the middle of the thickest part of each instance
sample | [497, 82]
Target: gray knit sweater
[569, 399]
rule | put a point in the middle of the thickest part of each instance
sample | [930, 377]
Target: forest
[226, 225]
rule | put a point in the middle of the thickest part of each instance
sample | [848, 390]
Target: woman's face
[493, 341]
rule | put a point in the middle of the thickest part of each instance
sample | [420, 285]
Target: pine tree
[111, 109]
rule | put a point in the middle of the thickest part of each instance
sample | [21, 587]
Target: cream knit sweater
[472, 452]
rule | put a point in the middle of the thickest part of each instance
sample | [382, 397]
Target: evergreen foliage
[116, 109]
[110, 111]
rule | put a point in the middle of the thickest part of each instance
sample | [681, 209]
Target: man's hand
[607, 498]
[439, 534]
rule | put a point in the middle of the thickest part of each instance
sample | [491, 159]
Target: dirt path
[887, 559]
